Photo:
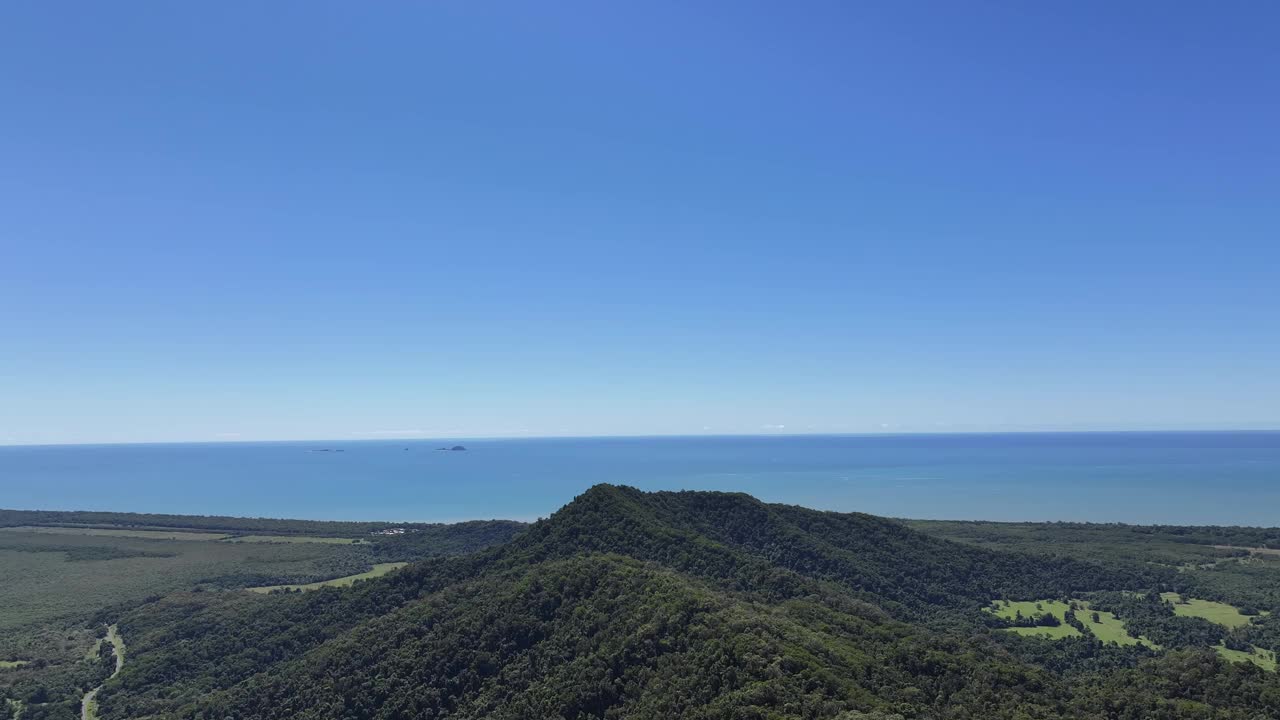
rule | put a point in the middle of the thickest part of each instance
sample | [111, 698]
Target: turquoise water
[1224, 478]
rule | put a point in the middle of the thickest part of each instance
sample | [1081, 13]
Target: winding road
[88, 704]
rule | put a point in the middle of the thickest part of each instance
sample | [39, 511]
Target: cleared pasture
[1053, 633]
[1030, 608]
[378, 570]
[1216, 612]
[1264, 659]
[1108, 629]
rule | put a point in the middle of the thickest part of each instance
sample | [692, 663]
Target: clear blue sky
[241, 220]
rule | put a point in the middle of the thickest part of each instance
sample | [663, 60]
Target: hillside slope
[640, 605]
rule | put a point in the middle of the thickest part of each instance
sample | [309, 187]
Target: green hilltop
[627, 604]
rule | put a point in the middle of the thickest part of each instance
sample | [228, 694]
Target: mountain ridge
[625, 604]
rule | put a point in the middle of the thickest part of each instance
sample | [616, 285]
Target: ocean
[1167, 477]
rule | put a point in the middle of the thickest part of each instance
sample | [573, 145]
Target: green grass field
[104, 532]
[10, 664]
[1010, 610]
[1028, 608]
[378, 570]
[1262, 658]
[1052, 633]
[1108, 629]
[296, 539]
[1216, 612]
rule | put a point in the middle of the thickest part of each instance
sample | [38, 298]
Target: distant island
[455, 448]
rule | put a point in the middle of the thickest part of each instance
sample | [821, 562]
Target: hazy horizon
[397, 436]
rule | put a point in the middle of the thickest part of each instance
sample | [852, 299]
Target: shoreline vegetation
[214, 524]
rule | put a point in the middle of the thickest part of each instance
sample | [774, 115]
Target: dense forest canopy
[703, 605]
[626, 604]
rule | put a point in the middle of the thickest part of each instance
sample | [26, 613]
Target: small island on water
[455, 448]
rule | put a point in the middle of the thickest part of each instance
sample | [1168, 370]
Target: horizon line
[643, 436]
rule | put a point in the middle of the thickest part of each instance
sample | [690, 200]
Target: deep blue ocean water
[1191, 478]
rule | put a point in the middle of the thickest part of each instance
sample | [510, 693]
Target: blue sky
[342, 220]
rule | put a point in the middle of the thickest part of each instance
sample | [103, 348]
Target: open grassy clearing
[10, 664]
[1111, 629]
[1264, 659]
[104, 532]
[1108, 628]
[1028, 608]
[295, 539]
[1221, 613]
[378, 570]
[1052, 633]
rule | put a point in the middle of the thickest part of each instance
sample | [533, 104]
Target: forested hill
[744, 544]
[666, 605]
